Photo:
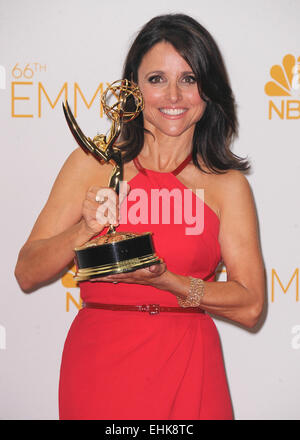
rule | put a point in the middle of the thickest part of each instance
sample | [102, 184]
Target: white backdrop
[48, 45]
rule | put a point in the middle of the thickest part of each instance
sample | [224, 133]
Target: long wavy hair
[218, 126]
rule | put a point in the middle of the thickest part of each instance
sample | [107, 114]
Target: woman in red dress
[162, 361]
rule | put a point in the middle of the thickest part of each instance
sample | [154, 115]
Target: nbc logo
[68, 281]
[285, 83]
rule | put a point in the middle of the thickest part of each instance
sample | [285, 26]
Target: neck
[164, 153]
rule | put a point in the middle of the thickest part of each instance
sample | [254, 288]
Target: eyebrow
[160, 72]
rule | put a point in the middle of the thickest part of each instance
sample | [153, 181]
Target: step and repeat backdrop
[53, 50]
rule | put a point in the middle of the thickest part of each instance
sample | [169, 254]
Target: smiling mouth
[173, 111]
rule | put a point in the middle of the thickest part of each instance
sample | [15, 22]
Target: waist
[152, 309]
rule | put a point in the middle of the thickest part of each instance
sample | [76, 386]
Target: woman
[127, 364]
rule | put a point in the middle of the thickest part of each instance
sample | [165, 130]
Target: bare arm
[67, 220]
[241, 298]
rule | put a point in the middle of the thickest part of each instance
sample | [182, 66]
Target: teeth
[172, 111]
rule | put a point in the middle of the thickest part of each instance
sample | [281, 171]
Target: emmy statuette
[113, 252]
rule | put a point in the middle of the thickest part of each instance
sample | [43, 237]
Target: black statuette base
[115, 257]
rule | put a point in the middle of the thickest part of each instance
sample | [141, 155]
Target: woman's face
[172, 102]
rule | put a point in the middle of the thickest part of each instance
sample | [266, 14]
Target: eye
[189, 79]
[155, 79]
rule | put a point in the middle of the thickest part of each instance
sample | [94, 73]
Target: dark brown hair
[216, 130]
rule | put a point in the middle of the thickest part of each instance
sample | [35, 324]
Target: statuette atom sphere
[122, 100]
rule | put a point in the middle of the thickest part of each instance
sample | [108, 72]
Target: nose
[174, 92]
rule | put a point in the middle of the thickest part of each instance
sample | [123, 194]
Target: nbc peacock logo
[285, 84]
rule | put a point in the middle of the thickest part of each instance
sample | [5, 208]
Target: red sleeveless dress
[130, 365]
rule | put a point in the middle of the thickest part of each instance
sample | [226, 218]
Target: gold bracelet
[195, 294]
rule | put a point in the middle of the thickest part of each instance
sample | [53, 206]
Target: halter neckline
[175, 172]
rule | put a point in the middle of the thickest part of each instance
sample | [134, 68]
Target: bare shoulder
[232, 187]
[232, 180]
[79, 159]
[64, 205]
[84, 169]
[236, 204]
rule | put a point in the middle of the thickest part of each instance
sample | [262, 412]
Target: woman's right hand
[100, 207]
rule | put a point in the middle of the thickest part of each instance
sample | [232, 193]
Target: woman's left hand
[146, 276]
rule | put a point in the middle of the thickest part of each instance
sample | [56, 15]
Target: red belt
[152, 309]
